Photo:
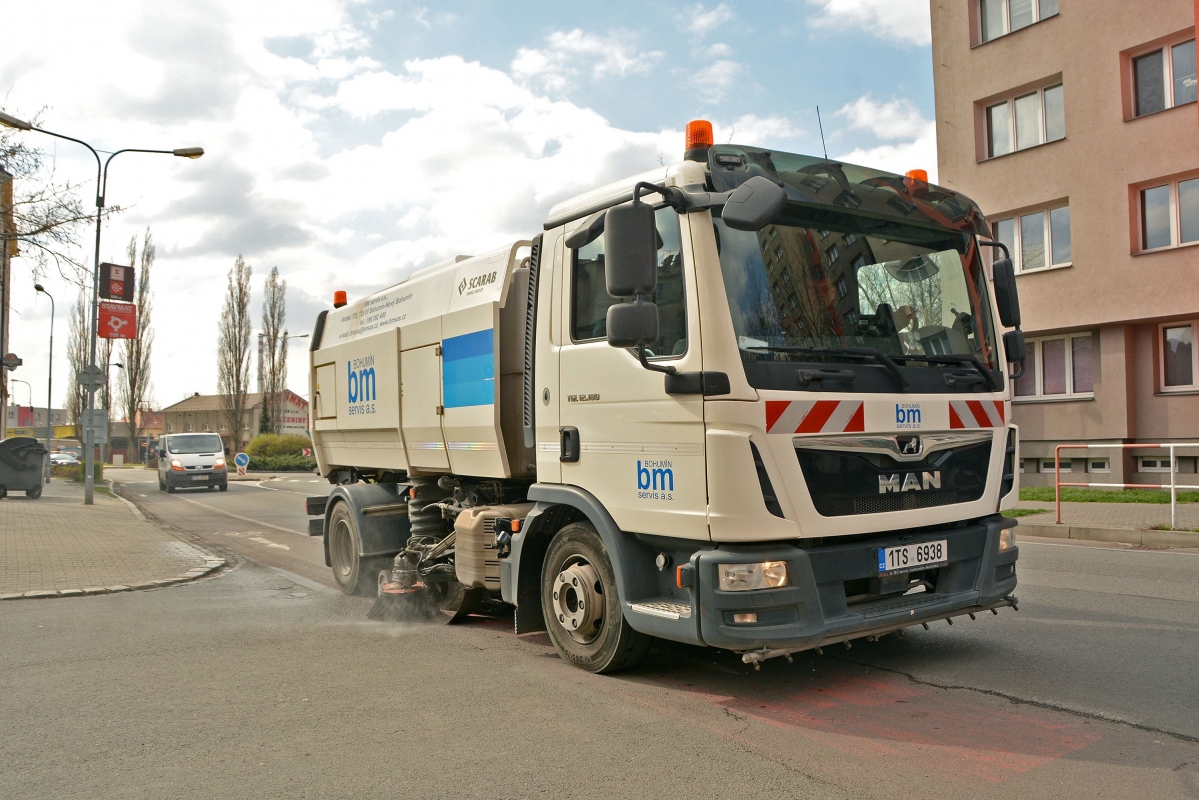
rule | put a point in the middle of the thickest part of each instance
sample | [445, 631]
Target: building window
[1026, 121]
[222, 426]
[1058, 367]
[189, 427]
[1155, 464]
[1023, 461]
[170, 427]
[206, 428]
[1164, 78]
[842, 287]
[1169, 214]
[1180, 357]
[1099, 465]
[1048, 465]
[832, 254]
[1037, 240]
[1001, 17]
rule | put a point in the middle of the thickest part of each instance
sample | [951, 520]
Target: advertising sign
[117, 320]
[116, 282]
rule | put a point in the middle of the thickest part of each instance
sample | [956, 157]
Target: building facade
[1073, 124]
[205, 413]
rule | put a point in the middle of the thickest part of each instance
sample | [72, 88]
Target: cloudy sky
[349, 141]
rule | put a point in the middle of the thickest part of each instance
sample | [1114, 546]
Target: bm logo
[907, 415]
[360, 385]
[655, 480]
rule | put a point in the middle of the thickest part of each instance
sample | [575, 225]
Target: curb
[212, 563]
[1150, 538]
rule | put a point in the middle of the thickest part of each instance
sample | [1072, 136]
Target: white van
[191, 459]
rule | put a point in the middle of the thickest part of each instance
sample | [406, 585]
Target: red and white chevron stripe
[815, 416]
[976, 414]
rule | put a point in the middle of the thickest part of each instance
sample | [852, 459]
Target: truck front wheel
[353, 574]
[582, 606]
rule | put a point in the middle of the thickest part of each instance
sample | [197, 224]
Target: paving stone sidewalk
[57, 547]
[1134, 516]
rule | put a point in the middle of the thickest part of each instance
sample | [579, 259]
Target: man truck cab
[191, 460]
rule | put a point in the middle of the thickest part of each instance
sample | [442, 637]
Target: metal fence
[1173, 486]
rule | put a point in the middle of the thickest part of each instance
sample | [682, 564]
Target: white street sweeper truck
[751, 400]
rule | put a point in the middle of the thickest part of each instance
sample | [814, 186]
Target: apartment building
[1074, 125]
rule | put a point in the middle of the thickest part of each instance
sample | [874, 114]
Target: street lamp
[101, 188]
[49, 380]
[27, 386]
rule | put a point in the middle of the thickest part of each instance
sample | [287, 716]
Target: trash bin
[22, 466]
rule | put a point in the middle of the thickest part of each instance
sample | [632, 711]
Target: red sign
[307, 452]
[117, 320]
[116, 282]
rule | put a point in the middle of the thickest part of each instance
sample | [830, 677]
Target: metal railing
[1173, 486]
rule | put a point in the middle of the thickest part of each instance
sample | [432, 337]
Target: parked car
[191, 460]
[64, 460]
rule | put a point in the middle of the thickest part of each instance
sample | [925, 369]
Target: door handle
[570, 444]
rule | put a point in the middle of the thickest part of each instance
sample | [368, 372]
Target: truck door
[640, 450]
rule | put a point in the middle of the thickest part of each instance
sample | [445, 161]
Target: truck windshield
[804, 289]
[197, 443]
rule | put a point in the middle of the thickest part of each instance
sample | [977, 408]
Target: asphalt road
[263, 682]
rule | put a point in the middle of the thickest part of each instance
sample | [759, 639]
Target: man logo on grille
[909, 446]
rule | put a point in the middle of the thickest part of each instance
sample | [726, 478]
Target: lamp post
[49, 381]
[101, 188]
[27, 386]
[108, 394]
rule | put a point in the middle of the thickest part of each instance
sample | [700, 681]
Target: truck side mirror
[1014, 347]
[227, 451]
[754, 204]
[631, 270]
[1006, 298]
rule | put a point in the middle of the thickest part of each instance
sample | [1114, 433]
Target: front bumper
[197, 477]
[813, 610]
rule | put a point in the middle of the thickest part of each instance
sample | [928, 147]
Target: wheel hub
[578, 600]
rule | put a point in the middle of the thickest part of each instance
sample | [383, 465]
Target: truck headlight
[219, 464]
[745, 577]
[1007, 539]
[176, 465]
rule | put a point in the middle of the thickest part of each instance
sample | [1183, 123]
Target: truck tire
[354, 575]
[582, 607]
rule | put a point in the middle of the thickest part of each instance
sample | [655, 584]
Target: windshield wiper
[857, 352]
[954, 358]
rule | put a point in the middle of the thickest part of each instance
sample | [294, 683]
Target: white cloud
[340, 171]
[702, 21]
[566, 52]
[714, 82]
[754, 130]
[716, 50]
[897, 119]
[905, 21]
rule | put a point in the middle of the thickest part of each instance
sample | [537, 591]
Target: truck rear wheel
[354, 575]
[582, 606]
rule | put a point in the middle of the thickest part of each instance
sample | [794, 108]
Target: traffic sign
[117, 320]
[11, 361]
[90, 377]
[241, 460]
[307, 452]
[116, 282]
[97, 421]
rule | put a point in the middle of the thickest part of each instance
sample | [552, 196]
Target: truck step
[664, 609]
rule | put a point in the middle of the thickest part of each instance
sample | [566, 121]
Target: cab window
[589, 298]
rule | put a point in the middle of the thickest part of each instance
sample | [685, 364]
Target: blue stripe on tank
[468, 369]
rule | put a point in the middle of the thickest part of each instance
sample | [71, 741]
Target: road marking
[294, 480]
[243, 519]
[267, 542]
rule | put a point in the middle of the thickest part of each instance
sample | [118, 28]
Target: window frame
[1034, 346]
[1173, 184]
[1105, 469]
[568, 299]
[1166, 48]
[1160, 346]
[1016, 245]
[1009, 100]
[1158, 460]
[1006, 8]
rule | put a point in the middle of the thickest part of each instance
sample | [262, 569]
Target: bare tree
[48, 215]
[77, 358]
[233, 349]
[134, 388]
[274, 314]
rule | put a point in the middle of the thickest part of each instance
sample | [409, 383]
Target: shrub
[286, 463]
[76, 473]
[272, 444]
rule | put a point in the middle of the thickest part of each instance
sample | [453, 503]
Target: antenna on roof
[821, 124]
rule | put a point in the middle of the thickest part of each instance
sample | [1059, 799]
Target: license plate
[911, 557]
[199, 477]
